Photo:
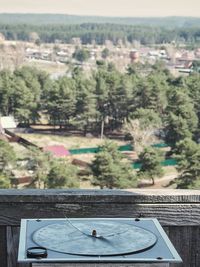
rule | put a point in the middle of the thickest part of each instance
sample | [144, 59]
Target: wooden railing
[177, 210]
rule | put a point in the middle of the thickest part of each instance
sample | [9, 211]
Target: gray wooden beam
[98, 196]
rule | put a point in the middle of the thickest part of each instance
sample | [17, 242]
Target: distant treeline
[100, 32]
[43, 19]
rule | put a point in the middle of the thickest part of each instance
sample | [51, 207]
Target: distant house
[197, 53]
[62, 54]
[187, 56]
[8, 123]
[2, 135]
[2, 37]
[57, 151]
[154, 53]
[32, 53]
[1, 129]
[134, 56]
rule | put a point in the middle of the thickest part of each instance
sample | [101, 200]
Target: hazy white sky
[104, 7]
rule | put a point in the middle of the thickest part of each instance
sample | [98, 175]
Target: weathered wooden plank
[186, 241]
[12, 247]
[12, 237]
[3, 248]
[24, 265]
[105, 196]
[167, 214]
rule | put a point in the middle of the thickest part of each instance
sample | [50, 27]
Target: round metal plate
[112, 238]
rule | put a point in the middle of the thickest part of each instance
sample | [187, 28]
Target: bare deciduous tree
[142, 135]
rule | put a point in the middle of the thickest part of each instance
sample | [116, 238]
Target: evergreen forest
[156, 104]
[63, 28]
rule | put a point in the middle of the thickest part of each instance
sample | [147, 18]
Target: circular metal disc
[112, 238]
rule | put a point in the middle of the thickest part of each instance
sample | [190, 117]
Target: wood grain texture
[99, 196]
[186, 240]
[12, 247]
[168, 214]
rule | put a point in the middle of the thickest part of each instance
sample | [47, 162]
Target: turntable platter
[94, 238]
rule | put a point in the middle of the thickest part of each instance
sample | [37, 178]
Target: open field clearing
[73, 142]
[170, 173]
[49, 67]
[70, 142]
[161, 183]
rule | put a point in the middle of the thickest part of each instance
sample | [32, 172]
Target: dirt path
[160, 183]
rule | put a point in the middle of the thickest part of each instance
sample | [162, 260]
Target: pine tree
[7, 161]
[150, 159]
[4, 181]
[187, 153]
[109, 170]
[181, 118]
[81, 55]
[61, 101]
[62, 175]
[6, 92]
[85, 102]
[7, 156]
[39, 163]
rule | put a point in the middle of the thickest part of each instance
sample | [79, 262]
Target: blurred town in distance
[49, 41]
[57, 59]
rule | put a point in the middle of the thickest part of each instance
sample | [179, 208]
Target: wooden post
[3, 248]
[102, 128]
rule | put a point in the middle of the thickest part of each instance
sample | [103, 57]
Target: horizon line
[95, 15]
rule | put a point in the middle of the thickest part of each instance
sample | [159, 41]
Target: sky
[124, 8]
